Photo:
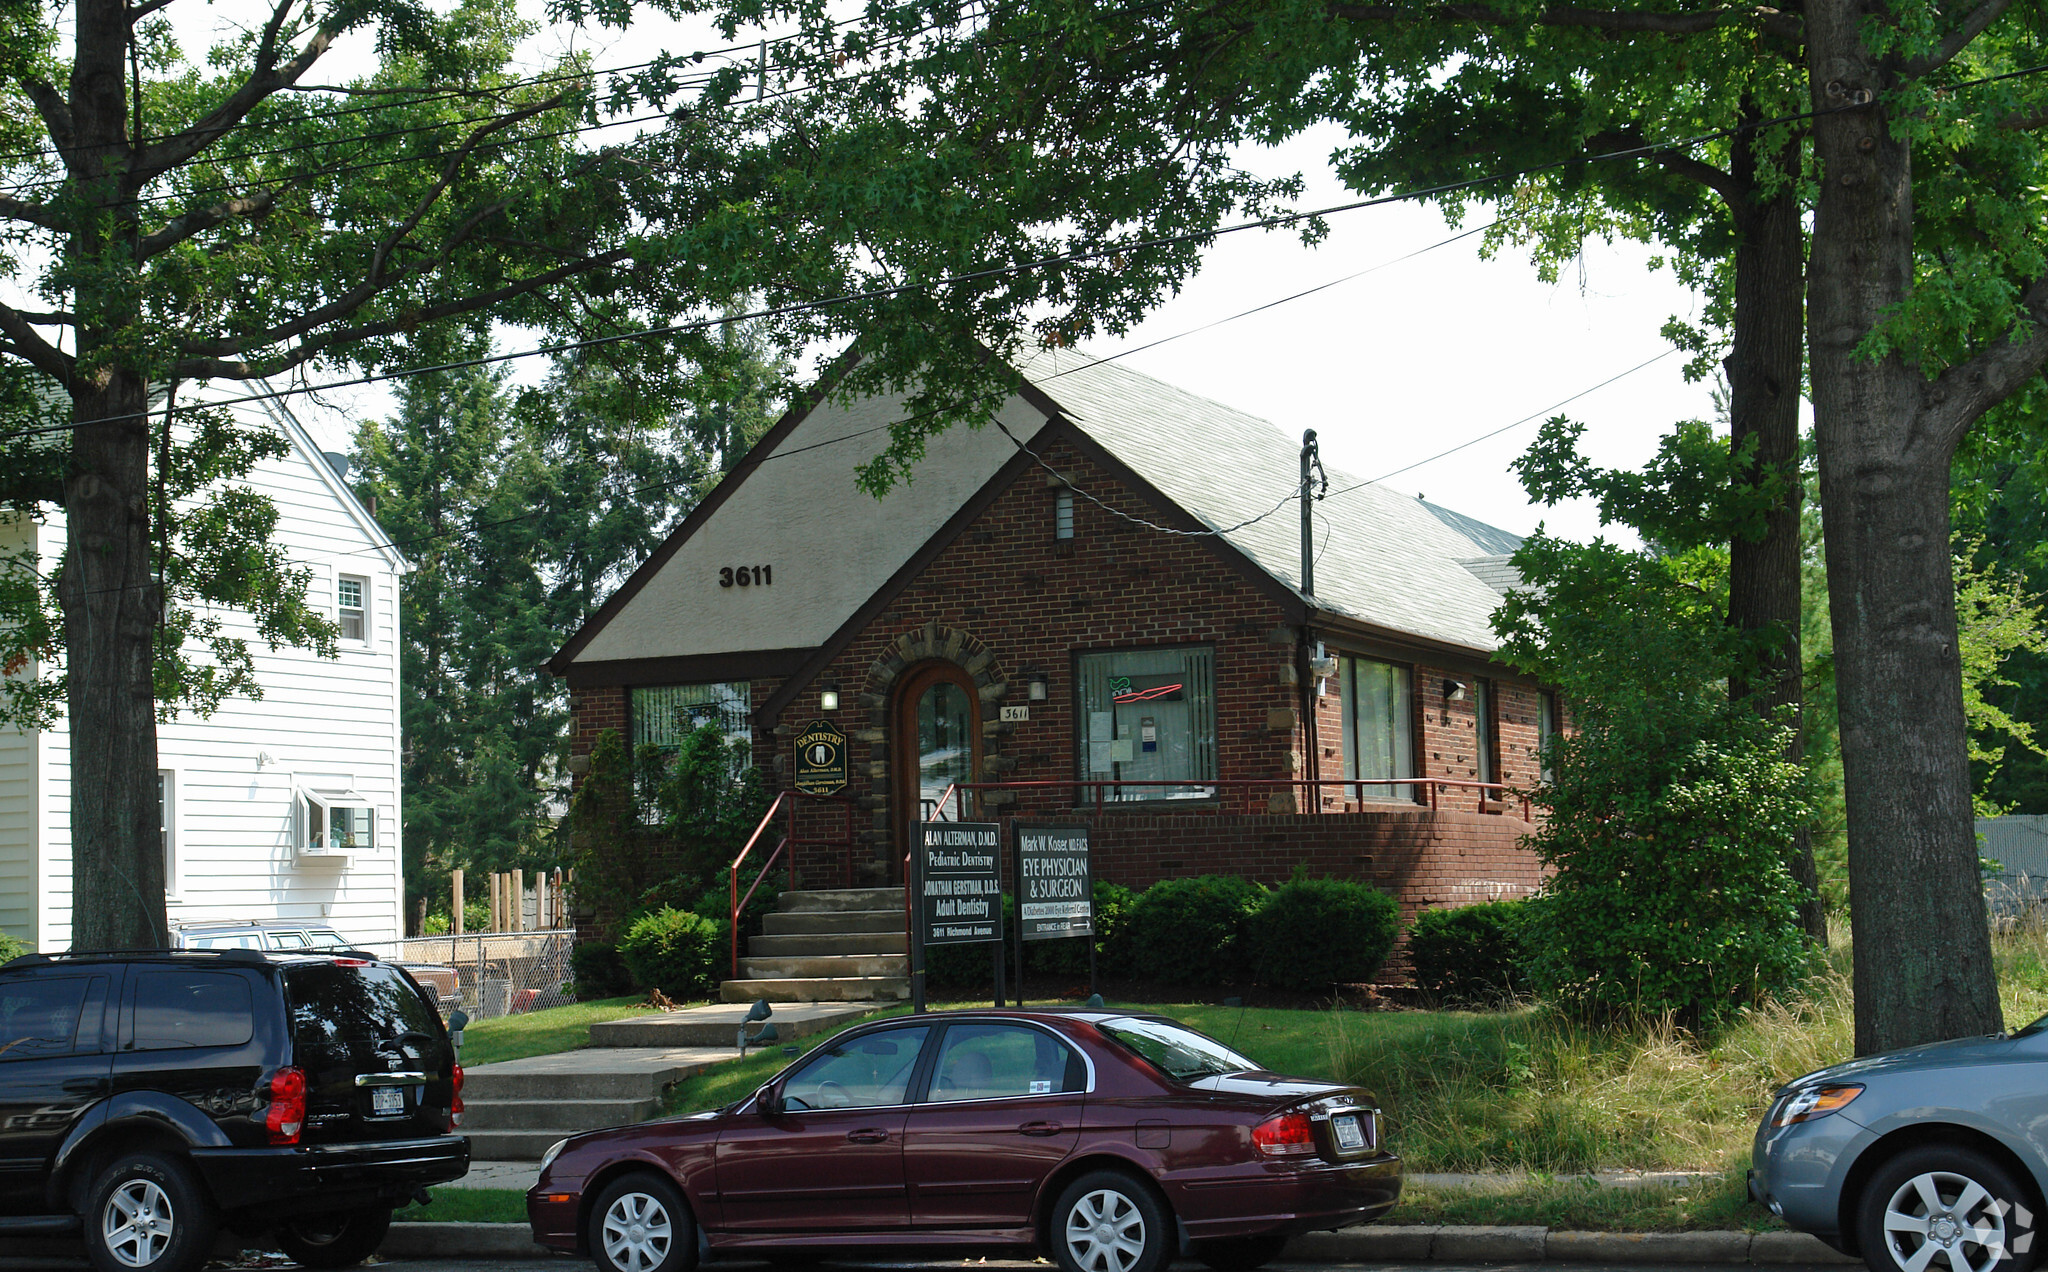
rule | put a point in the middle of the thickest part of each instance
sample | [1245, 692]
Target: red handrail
[789, 843]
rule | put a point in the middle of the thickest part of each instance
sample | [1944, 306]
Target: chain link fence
[488, 974]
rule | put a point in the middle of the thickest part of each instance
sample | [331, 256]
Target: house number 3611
[745, 575]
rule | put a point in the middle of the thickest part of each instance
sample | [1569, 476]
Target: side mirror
[768, 1100]
[458, 1020]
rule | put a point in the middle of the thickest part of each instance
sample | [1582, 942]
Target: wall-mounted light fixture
[1454, 690]
[828, 697]
[1036, 687]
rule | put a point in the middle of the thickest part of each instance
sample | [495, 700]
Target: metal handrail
[1248, 784]
[790, 842]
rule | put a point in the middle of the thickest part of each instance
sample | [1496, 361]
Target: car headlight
[554, 1151]
[1813, 1102]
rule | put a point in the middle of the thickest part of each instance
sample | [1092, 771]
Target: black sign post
[1055, 891]
[959, 892]
[821, 759]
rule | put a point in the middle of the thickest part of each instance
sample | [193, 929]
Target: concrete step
[511, 1146]
[540, 1115]
[834, 989]
[785, 968]
[714, 1027]
[831, 922]
[593, 1073]
[808, 945]
[841, 899]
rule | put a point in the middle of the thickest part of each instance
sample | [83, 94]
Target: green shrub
[11, 948]
[675, 951]
[598, 970]
[1192, 931]
[1064, 962]
[1309, 934]
[1471, 955]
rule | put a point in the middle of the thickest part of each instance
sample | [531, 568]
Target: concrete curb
[1397, 1243]
[462, 1240]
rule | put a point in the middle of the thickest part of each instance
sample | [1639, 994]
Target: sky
[1392, 369]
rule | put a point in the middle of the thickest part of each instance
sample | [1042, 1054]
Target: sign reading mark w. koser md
[1054, 895]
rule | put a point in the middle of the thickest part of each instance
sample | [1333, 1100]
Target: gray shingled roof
[1384, 558]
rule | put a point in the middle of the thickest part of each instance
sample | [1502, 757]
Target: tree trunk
[1764, 366]
[109, 591]
[1923, 967]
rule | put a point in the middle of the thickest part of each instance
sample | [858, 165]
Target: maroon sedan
[1106, 1140]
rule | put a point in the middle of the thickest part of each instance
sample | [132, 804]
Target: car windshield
[1181, 1053]
[2029, 1031]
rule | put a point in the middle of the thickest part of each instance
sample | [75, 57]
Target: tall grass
[1532, 1089]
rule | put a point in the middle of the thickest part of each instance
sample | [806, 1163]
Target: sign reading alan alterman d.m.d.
[960, 882]
[821, 759]
[1054, 895]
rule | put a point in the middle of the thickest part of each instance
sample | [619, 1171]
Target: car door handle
[868, 1135]
[1039, 1128]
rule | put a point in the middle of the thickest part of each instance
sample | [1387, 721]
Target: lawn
[540, 1033]
[468, 1205]
[1719, 1203]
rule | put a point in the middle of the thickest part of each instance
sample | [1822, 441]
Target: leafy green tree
[1671, 809]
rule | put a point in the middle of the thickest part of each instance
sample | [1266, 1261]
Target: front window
[355, 616]
[663, 715]
[1546, 729]
[164, 810]
[867, 1071]
[337, 822]
[1178, 1052]
[1379, 731]
[1148, 715]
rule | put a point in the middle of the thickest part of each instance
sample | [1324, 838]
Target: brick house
[1104, 590]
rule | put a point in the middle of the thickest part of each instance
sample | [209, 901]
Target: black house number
[745, 575]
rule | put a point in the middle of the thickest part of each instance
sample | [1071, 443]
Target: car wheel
[1944, 1208]
[640, 1223]
[1106, 1221]
[146, 1212]
[338, 1240]
[1239, 1254]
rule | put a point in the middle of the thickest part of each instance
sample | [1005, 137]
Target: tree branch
[137, 13]
[1774, 22]
[1959, 39]
[14, 209]
[56, 112]
[198, 222]
[203, 368]
[25, 342]
[265, 78]
[1961, 394]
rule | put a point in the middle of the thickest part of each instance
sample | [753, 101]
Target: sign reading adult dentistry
[1054, 895]
[960, 882]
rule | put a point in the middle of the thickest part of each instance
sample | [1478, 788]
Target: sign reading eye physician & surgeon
[1054, 896]
[960, 882]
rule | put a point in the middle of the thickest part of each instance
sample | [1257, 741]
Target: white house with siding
[283, 807]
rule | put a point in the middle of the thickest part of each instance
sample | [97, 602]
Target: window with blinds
[1379, 727]
[1148, 715]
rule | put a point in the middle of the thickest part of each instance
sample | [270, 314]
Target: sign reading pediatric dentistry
[960, 882]
[821, 758]
[1054, 896]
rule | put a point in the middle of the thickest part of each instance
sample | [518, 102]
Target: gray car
[1931, 1159]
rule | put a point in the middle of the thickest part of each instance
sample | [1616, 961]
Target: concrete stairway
[845, 945]
[514, 1109]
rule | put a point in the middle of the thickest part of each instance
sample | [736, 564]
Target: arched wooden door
[935, 740]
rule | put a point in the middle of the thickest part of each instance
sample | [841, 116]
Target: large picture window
[1148, 715]
[1379, 728]
[662, 716]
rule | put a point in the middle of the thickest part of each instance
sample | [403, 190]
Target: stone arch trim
[931, 642]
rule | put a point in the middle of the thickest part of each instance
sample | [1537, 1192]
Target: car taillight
[287, 1105]
[455, 1101]
[1288, 1135]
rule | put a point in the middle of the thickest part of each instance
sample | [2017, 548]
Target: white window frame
[167, 826]
[342, 612]
[313, 816]
[1400, 739]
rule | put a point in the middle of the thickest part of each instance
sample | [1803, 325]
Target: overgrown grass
[540, 1033]
[468, 1205]
[1581, 1205]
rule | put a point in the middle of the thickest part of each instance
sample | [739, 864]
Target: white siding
[237, 773]
[18, 818]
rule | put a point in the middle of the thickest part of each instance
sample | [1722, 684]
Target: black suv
[149, 1099]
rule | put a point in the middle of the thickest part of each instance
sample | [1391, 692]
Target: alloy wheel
[1106, 1232]
[637, 1232]
[1942, 1216]
[137, 1223]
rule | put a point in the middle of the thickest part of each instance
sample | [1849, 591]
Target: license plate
[387, 1101]
[1349, 1136]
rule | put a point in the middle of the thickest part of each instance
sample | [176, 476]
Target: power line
[1000, 271]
